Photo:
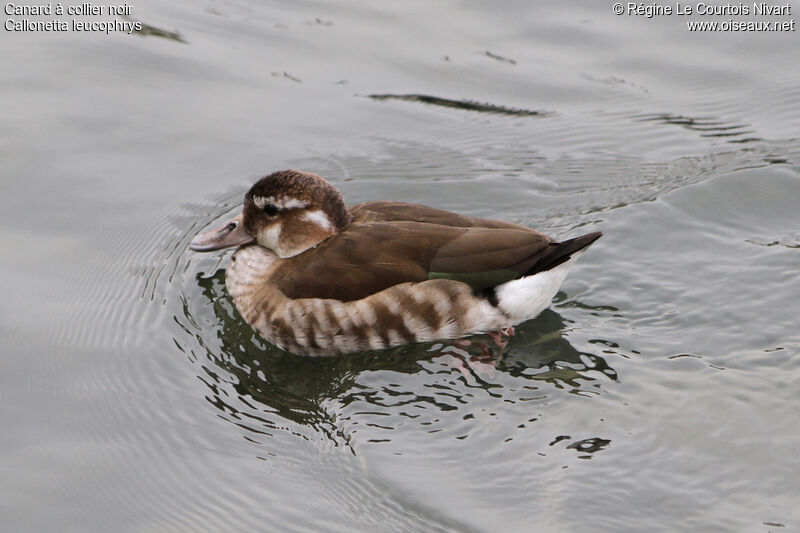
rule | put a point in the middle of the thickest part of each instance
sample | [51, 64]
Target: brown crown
[304, 186]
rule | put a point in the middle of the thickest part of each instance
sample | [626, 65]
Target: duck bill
[231, 234]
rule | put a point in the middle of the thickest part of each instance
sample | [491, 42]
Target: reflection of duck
[316, 278]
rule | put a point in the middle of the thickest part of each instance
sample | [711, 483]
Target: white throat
[272, 239]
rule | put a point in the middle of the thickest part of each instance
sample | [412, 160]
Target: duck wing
[407, 212]
[382, 248]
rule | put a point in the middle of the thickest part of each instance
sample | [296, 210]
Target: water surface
[659, 393]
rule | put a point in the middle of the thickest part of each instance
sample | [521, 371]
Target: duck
[315, 277]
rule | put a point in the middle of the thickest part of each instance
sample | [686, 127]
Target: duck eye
[270, 210]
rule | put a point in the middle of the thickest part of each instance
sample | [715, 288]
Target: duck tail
[560, 252]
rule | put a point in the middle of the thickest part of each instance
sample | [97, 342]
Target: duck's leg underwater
[499, 336]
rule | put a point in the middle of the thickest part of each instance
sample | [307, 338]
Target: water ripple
[467, 105]
[705, 126]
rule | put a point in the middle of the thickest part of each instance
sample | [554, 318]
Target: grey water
[661, 391]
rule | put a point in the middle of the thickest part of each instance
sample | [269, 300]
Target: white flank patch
[483, 316]
[524, 298]
[319, 218]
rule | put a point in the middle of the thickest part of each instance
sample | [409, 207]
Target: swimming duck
[316, 278]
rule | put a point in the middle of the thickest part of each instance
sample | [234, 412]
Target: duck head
[287, 212]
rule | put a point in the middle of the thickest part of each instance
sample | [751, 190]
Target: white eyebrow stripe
[281, 202]
[261, 201]
[291, 203]
[318, 217]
